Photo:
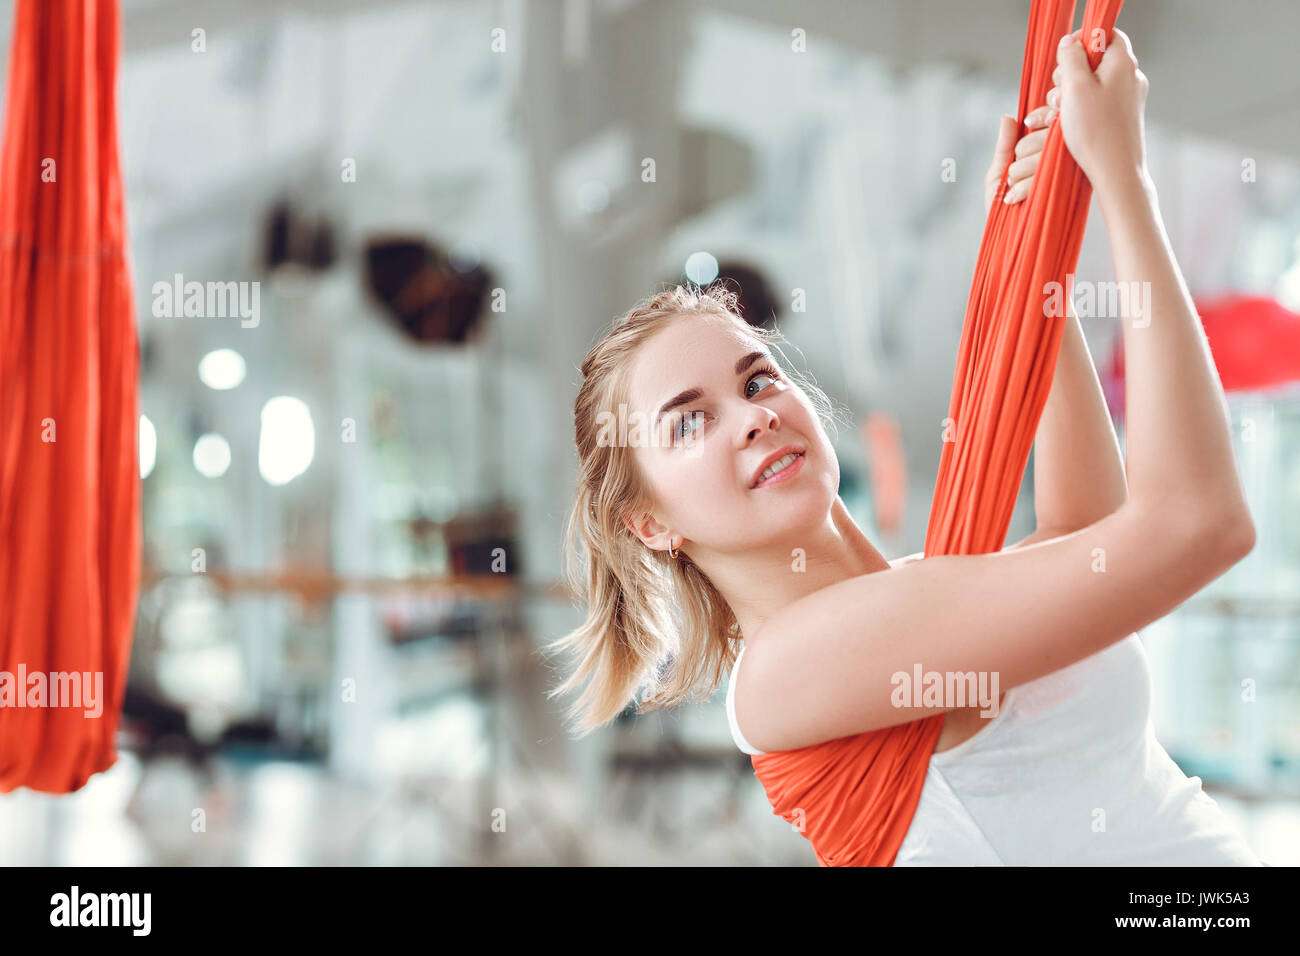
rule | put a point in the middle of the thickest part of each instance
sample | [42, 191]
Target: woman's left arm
[1078, 469]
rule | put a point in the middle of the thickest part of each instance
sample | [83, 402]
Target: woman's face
[713, 414]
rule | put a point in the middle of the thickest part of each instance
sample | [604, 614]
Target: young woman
[707, 503]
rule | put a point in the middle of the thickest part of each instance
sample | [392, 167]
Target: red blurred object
[69, 369]
[883, 438]
[1254, 340]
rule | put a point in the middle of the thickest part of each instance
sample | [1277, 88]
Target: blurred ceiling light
[148, 446]
[211, 455]
[701, 268]
[593, 196]
[288, 440]
[222, 369]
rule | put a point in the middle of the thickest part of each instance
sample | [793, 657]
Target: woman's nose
[761, 419]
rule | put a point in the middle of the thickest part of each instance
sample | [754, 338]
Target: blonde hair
[650, 617]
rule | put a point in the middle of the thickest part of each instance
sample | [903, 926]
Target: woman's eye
[680, 431]
[761, 375]
[687, 425]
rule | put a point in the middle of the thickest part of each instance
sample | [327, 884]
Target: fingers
[1116, 34]
[1119, 57]
[1007, 129]
[1073, 62]
[1020, 190]
[1031, 144]
[1119, 52]
[1002, 152]
[1027, 152]
[1043, 116]
[1020, 174]
[1022, 171]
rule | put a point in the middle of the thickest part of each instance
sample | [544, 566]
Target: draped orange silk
[69, 361]
[854, 798]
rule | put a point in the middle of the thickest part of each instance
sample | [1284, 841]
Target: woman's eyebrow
[691, 394]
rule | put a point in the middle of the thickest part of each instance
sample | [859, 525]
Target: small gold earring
[671, 553]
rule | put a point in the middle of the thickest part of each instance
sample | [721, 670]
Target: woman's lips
[783, 475]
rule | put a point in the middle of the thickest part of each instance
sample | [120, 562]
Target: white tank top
[1067, 773]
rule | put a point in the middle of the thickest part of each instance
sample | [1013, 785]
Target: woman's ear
[650, 532]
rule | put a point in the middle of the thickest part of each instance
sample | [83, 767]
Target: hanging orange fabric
[69, 362]
[854, 798]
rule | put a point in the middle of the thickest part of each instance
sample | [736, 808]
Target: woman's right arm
[824, 666]
[1175, 410]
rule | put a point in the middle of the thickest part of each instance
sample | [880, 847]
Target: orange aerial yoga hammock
[69, 360]
[854, 797]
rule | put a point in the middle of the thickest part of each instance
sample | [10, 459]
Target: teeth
[776, 466]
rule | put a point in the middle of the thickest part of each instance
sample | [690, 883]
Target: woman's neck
[763, 584]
